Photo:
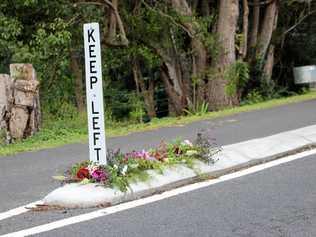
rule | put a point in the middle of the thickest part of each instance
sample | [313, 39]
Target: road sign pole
[94, 92]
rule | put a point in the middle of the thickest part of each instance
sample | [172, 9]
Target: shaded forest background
[161, 58]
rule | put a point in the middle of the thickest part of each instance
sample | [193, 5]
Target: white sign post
[95, 109]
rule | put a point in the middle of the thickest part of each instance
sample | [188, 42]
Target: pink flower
[99, 175]
[139, 155]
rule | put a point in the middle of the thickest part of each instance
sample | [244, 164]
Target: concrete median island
[231, 158]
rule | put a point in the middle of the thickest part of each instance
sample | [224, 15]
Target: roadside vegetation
[57, 132]
[164, 63]
[123, 169]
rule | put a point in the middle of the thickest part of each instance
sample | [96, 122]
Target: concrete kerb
[233, 158]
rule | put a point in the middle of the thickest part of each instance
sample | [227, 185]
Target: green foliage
[199, 109]
[237, 76]
[137, 108]
[52, 39]
[44, 33]
[116, 180]
[267, 91]
[253, 97]
[209, 39]
[61, 110]
[207, 148]
[51, 44]
[3, 136]
[123, 169]
[10, 30]
[55, 133]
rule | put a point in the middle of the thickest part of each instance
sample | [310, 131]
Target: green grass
[60, 132]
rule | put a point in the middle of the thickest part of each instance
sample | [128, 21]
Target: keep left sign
[94, 91]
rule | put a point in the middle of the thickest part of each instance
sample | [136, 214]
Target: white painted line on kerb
[18, 211]
[151, 199]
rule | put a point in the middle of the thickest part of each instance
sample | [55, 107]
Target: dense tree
[226, 31]
[190, 53]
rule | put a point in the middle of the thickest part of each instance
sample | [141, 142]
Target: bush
[237, 76]
[253, 97]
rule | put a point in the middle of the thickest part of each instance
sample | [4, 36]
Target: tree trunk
[116, 35]
[177, 101]
[148, 92]
[174, 72]
[199, 57]
[135, 76]
[269, 63]
[244, 45]
[149, 97]
[269, 21]
[77, 72]
[226, 29]
[199, 68]
[268, 67]
[174, 78]
[255, 26]
[205, 8]
[111, 33]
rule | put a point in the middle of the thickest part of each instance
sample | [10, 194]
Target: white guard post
[94, 90]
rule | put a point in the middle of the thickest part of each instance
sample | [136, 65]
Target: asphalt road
[27, 177]
[279, 201]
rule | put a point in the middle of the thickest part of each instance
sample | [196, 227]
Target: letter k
[90, 35]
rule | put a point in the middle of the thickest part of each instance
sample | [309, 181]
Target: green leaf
[60, 177]
[85, 181]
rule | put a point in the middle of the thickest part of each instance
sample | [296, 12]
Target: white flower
[124, 170]
[92, 168]
[187, 142]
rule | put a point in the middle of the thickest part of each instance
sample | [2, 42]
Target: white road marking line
[18, 210]
[151, 199]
